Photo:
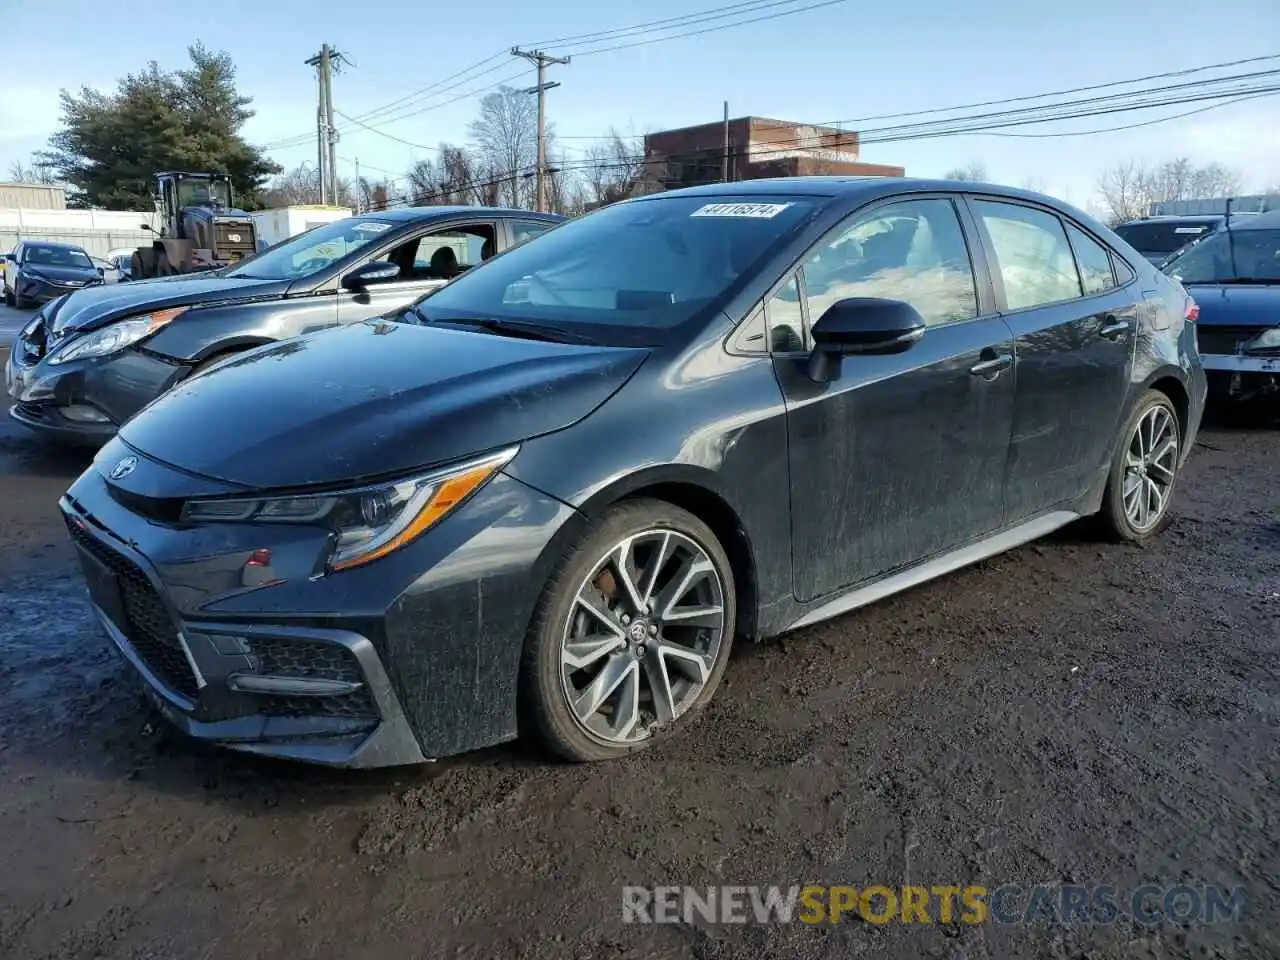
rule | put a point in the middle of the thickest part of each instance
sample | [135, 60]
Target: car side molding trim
[937, 566]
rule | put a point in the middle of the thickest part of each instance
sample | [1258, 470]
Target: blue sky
[843, 61]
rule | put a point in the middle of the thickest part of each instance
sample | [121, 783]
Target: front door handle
[991, 368]
[1114, 329]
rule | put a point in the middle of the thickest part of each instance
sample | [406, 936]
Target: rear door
[1074, 330]
[901, 456]
[426, 260]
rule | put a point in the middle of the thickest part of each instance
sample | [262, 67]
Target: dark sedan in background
[89, 361]
[550, 495]
[1234, 275]
[37, 271]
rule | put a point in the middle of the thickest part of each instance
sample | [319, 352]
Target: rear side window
[522, 230]
[1032, 253]
[1094, 262]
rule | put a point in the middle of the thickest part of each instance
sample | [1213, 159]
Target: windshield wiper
[516, 328]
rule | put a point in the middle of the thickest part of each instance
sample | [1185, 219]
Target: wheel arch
[1172, 383]
[689, 488]
[225, 348]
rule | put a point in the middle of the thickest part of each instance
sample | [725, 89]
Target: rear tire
[163, 267]
[8, 298]
[1144, 470]
[143, 264]
[612, 662]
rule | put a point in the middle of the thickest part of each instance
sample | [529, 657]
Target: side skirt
[936, 567]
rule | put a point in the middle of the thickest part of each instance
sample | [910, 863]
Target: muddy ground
[1073, 712]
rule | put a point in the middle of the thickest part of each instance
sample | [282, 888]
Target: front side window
[1032, 254]
[912, 251]
[315, 250]
[446, 253]
[630, 272]
[1230, 256]
[1094, 262]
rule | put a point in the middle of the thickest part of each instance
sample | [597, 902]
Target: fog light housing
[82, 414]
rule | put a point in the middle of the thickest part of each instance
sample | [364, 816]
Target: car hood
[61, 273]
[94, 307]
[376, 398]
[1237, 306]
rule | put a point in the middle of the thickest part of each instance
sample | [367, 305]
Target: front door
[426, 262]
[901, 456]
[1074, 330]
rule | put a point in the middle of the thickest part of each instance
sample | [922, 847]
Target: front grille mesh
[148, 627]
[1224, 340]
[281, 657]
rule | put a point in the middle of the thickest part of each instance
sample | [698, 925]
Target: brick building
[758, 147]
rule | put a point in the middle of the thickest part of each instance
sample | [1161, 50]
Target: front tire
[1144, 470]
[631, 636]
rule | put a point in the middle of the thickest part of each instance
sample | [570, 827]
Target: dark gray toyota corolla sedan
[549, 498]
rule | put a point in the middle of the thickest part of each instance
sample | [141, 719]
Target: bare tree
[302, 185]
[612, 169]
[1129, 189]
[973, 170]
[506, 141]
[37, 171]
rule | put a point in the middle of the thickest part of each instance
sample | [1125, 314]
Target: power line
[705, 30]
[747, 7]
[1134, 126]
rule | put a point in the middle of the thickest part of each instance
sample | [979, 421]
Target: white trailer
[281, 223]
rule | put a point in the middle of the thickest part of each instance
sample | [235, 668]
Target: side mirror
[862, 325]
[102, 272]
[376, 271]
[147, 227]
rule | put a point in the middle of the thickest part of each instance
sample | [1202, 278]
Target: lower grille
[1227, 341]
[30, 411]
[315, 660]
[148, 627]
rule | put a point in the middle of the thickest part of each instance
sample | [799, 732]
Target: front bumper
[85, 401]
[38, 290]
[414, 656]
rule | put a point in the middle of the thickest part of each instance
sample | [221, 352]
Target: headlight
[114, 336]
[29, 274]
[368, 522]
[1266, 340]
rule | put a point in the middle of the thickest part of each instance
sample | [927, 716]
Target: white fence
[98, 231]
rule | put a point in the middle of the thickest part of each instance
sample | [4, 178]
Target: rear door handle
[991, 368]
[1114, 329]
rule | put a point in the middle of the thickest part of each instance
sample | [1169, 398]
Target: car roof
[1259, 221]
[851, 191]
[416, 214]
[52, 245]
[1178, 218]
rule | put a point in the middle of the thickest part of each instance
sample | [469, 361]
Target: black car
[1234, 275]
[550, 496]
[1158, 238]
[91, 360]
[37, 271]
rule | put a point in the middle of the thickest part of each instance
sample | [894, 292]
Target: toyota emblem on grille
[124, 468]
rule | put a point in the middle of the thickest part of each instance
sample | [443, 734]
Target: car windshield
[628, 273]
[58, 257]
[1236, 256]
[1163, 236]
[312, 251]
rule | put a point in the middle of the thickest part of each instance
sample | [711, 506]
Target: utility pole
[320, 153]
[724, 163]
[328, 133]
[542, 60]
[359, 190]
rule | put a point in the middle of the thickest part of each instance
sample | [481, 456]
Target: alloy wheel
[642, 636]
[1150, 464]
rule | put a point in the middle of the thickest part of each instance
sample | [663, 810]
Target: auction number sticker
[752, 211]
[372, 227]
